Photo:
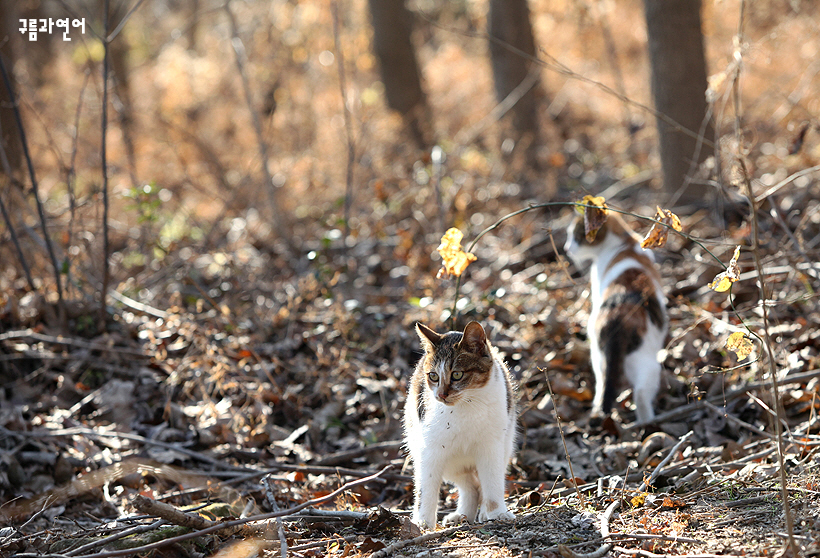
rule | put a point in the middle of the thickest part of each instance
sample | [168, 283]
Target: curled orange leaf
[453, 258]
[656, 237]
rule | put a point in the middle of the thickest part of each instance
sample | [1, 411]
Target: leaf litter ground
[196, 404]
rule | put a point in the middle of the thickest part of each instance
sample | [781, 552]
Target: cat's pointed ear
[429, 338]
[474, 340]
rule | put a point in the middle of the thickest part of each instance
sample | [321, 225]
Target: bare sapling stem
[240, 55]
[16, 243]
[71, 178]
[564, 441]
[7, 219]
[34, 188]
[351, 144]
[103, 318]
[765, 338]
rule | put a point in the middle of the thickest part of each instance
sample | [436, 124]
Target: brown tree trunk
[392, 43]
[679, 86]
[510, 31]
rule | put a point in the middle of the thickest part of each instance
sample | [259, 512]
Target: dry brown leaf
[595, 212]
[453, 258]
[723, 281]
[672, 503]
[739, 344]
[656, 237]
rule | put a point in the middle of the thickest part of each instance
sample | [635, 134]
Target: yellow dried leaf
[638, 500]
[724, 280]
[598, 201]
[656, 237]
[454, 260]
[595, 214]
[739, 344]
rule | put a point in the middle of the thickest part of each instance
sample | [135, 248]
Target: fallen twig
[223, 525]
[686, 410]
[283, 540]
[566, 552]
[647, 554]
[319, 470]
[169, 513]
[141, 439]
[137, 529]
[318, 544]
[43, 338]
[337, 514]
[737, 421]
[398, 545]
[344, 456]
[656, 473]
[137, 305]
[747, 502]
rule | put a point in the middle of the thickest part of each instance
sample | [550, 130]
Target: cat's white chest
[468, 422]
[479, 418]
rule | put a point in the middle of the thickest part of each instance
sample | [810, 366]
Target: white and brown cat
[627, 323]
[460, 425]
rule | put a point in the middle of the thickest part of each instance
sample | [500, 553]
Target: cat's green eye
[433, 377]
[457, 376]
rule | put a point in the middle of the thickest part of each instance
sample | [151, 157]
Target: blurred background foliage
[262, 130]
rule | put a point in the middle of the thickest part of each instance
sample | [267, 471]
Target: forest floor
[217, 400]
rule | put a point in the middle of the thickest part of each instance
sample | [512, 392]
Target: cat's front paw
[493, 510]
[454, 518]
[425, 524]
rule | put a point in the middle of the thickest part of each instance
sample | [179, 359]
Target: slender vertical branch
[7, 219]
[71, 176]
[262, 146]
[437, 156]
[615, 64]
[103, 154]
[13, 234]
[767, 342]
[34, 185]
[351, 146]
[564, 441]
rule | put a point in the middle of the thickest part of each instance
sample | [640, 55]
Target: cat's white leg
[492, 470]
[469, 495]
[645, 372]
[427, 482]
[599, 368]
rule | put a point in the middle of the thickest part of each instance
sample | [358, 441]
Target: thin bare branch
[7, 219]
[351, 144]
[34, 186]
[765, 338]
[103, 316]
[262, 145]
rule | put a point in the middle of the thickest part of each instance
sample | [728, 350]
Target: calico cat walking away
[627, 323]
[460, 425]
